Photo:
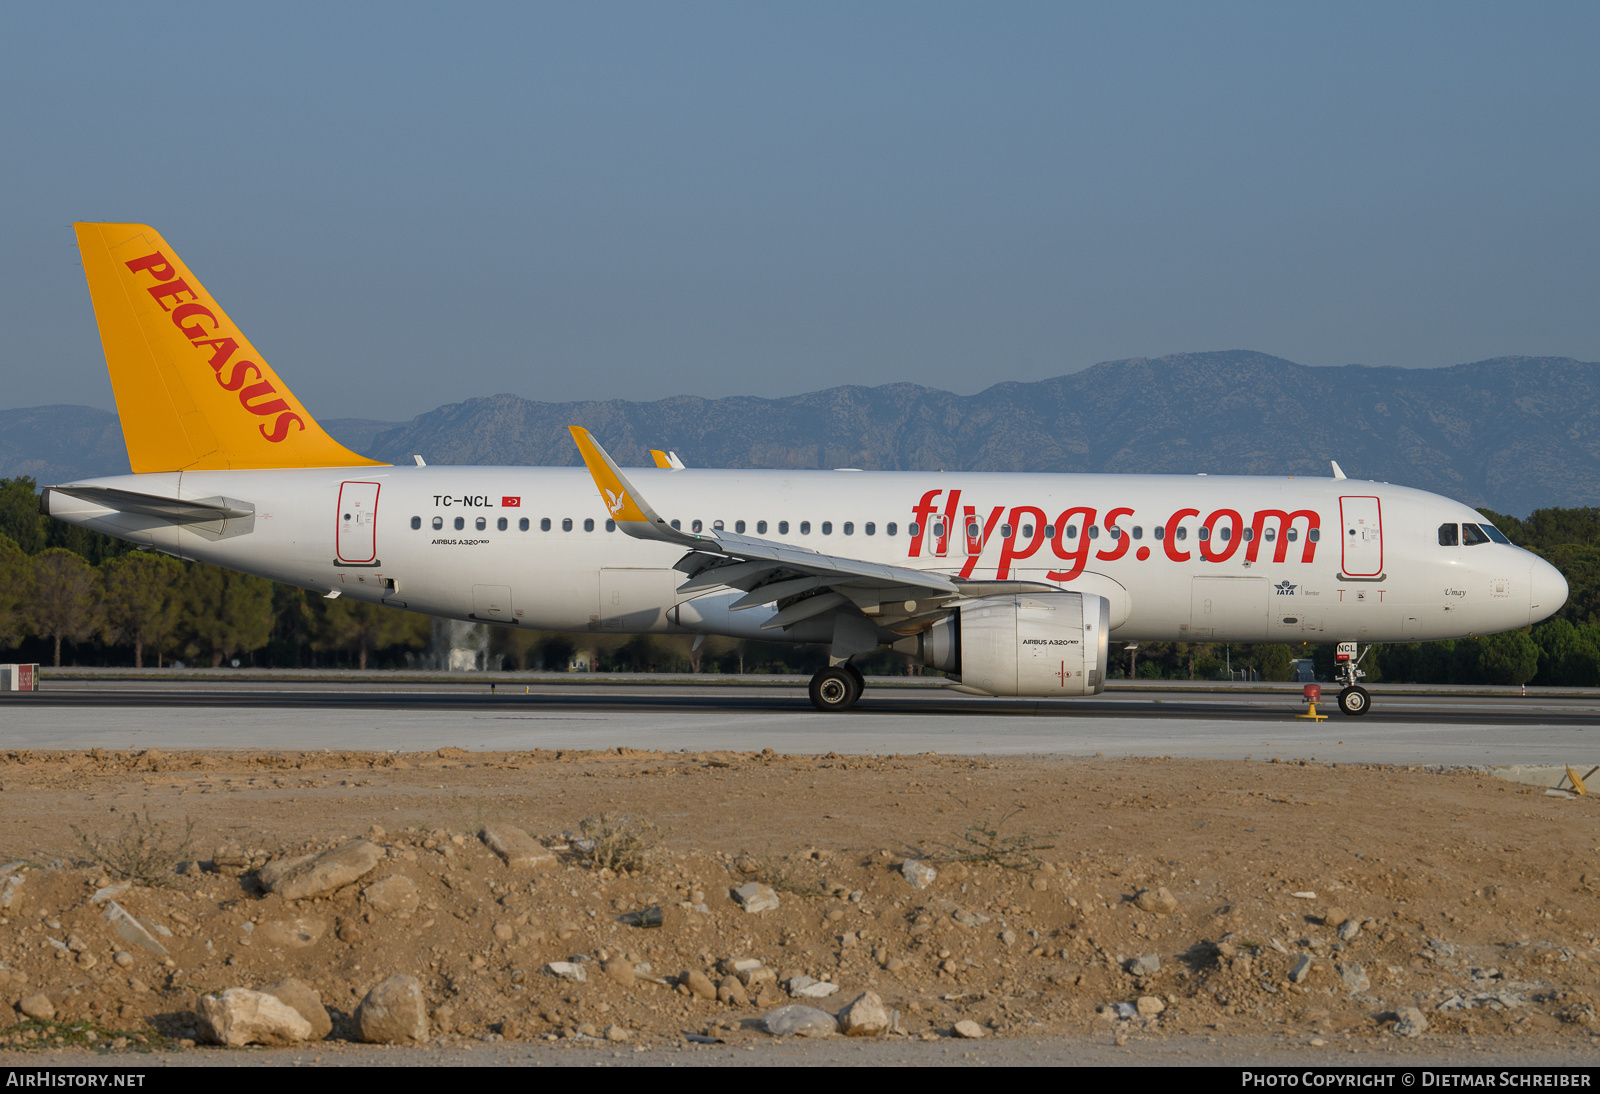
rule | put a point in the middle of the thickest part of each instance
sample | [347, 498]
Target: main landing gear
[837, 687]
[1353, 699]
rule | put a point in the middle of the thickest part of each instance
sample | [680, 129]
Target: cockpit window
[1449, 535]
[1472, 535]
[1494, 533]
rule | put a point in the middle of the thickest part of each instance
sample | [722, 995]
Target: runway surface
[374, 715]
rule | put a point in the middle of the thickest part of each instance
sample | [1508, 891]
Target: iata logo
[1285, 588]
[188, 315]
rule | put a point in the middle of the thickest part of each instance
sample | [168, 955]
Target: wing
[803, 583]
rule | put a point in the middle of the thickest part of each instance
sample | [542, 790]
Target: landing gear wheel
[861, 681]
[834, 690]
[1354, 701]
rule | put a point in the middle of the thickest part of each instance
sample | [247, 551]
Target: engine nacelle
[1024, 644]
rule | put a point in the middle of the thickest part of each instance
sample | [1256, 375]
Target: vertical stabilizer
[192, 392]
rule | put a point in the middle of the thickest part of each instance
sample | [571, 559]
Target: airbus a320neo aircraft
[1013, 584]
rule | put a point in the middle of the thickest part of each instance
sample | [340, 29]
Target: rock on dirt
[393, 895]
[1410, 1022]
[393, 1012]
[131, 930]
[38, 1007]
[699, 984]
[1156, 901]
[918, 873]
[313, 875]
[864, 1016]
[239, 1016]
[798, 1020]
[1354, 977]
[517, 849]
[1148, 965]
[968, 1029]
[755, 897]
[306, 1002]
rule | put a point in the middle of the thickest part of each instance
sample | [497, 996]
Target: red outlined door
[358, 522]
[1362, 538]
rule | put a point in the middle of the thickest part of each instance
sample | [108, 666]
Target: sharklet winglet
[628, 509]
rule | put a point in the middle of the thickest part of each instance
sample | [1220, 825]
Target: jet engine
[1022, 644]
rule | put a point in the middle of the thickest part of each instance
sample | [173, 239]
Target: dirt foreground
[1343, 908]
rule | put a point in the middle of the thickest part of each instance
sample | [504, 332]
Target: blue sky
[408, 205]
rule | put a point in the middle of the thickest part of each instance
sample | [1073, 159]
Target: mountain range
[1512, 433]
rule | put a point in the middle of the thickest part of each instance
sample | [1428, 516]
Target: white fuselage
[449, 541]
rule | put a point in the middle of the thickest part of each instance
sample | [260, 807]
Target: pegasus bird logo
[615, 502]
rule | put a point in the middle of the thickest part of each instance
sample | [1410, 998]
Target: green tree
[346, 623]
[16, 591]
[1275, 661]
[144, 598]
[227, 612]
[1508, 658]
[19, 514]
[65, 600]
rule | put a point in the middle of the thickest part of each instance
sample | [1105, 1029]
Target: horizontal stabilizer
[175, 510]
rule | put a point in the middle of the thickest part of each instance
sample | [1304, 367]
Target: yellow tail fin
[192, 392]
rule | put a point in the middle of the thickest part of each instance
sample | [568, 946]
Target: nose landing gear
[836, 688]
[1354, 701]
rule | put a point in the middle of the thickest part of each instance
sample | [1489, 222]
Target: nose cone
[1547, 591]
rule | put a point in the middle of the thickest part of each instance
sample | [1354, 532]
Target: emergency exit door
[358, 527]
[1362, 538]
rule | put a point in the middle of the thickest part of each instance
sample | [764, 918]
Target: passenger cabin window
[677, 526]
[1204, 534]
[1116, 533]
[805, 528]
[849, 528]
[1315, 535]
[461, 522]
[783, 527]
[502, 524]
[1472, 535]
[588, 524]
[761, 527]
[870, 528]
[522, 525]
[1005, 531]
[1094, 531]
[1292, 534]
[738, 526]
[1138, 532]
[827, 528]
[1181, 533]
[717, 524]
[888, 529]
[1072, 531]
[438, 523]
[1027, 531]
[694, 526]
[416, 522]
[611, 526]
[544, 524]
[481, 523]
[566, 524]
[1049, 531]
